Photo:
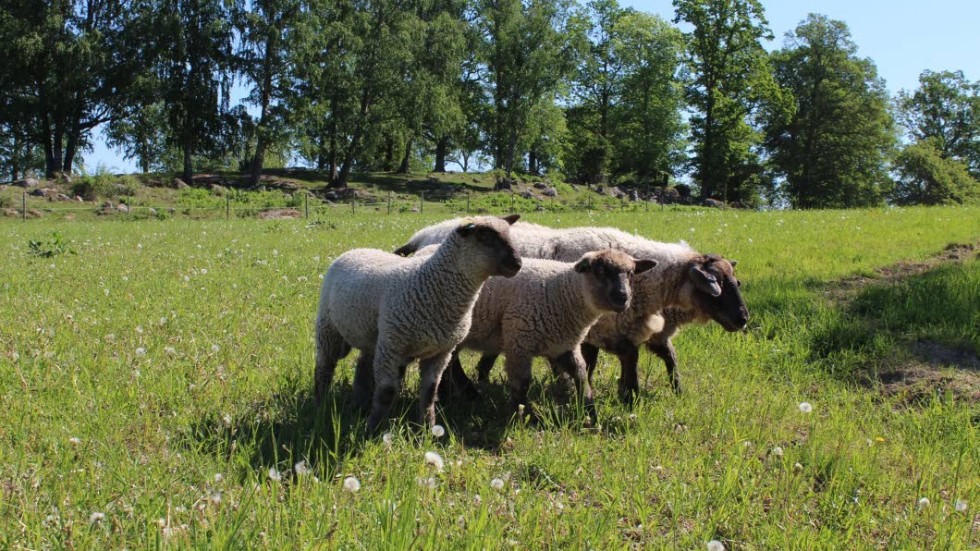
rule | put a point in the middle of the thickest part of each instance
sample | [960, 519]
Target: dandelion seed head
[352, 484]
[434, 459]
[438, 431]
[388, 438]
[426, 482]
[715, 545]
[141, 351]
[777, 451]
[302, 468]
[274, 474]
[215, 348]
[75, 441]
[806, 407]
[96, 517]
[170, 351]
[961, 506]
[923, 503]
[497, 484]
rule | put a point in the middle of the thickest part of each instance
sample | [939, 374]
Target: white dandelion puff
[352, 484]
[74, 441]
[438, 431]
[777, 451]
[434, 459]
[141, 351]
[274, 474]
[170, 351]
[302, 468]
[96, 517]
[806, 407]
[923, 503]
[497, 484]
[427, 482]
[477, 499]
[961, 506]
[218, 477]
[215, 348]
[715, 545]
[388, 438]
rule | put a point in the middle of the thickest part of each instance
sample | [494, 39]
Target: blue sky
[903, 37]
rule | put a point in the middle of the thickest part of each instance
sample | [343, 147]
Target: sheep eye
[738, 283]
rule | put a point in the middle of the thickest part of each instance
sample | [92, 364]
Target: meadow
[156, 378]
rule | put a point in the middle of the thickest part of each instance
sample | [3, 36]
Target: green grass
[155, 371]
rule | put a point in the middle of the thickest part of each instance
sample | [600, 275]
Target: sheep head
[716, 293]
[489, 238]
[608, 273]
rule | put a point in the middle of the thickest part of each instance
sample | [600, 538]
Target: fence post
[23, 204]
[306, 203]
[227, 207]
[513, 196]
[352, 204]
[467, 202]
[389, 201]
[421, 201]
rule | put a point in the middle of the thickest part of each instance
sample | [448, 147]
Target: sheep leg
[665, 349]
[590, 354]
[330, 349]
[430, 372]
[484, 366]
[387, 382]
[518, 368]
[574, 364]
[455, 382]
[363, 381]
[629, 379]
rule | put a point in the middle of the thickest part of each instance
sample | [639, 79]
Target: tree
[727, 74]
[529, 51]
[926, 177]
[65, 69]
[831, 144]
[946, 109]
[265, 30]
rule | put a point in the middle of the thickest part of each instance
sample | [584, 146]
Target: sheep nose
[620, 297]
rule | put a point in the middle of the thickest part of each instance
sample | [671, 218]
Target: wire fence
[307, 205]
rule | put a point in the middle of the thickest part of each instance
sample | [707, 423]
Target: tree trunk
[532, 162]
[389, 159]
[71, 149]
[442, 149]
[333, 139]
[188, 172]
[406, 158]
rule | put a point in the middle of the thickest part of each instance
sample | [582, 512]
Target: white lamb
[395, 310]
[547, 310]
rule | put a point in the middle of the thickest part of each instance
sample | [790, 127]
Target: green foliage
[49, 247]
[831, 142]
[726, 75]
[946, 109]
[926, 177]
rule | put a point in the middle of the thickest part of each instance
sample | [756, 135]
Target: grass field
[155, 381]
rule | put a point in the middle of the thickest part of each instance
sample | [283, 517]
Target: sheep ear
[705, 281]
[733, 262]
[466, 229]
[644, 265]
[510, 219]
[584, 265]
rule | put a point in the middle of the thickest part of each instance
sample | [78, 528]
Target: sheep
[547, 310]
[701, 304]
[395, 309]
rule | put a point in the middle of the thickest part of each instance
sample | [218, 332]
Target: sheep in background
[395, 309]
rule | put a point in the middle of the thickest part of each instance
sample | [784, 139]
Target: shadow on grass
[899, 331]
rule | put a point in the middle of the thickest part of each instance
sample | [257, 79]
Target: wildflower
[218, 477]
[352, 484]
[204, 271]
[274, 474]
[388, 438]
[879, 439]
[923, 503]
[428, 482]
[798, 467]
[438, 431]
[434, 459]
[715, 545]
[170, 351]
[497, 484]
[777, 451]
[74, 441]
[96, 517]
[141, 351]
[301, 468]
[805, 407]
[961, 506]
[477, 500]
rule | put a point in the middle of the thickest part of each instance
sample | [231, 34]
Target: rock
[278, 214]
[714, 203]
[79, 199]
[121, 207]
[218, 190]
[330, 196]
[63, 178]
[540, 185]
[11, 213]
[550, 192]
[69, 217]
[177, 183]
[3, 189]
[152, 211]
[670, 196]
[108, 205]
[33, 213]
[527, 194]
[27, 182]
[286, 186]
[62, 197]
[634, 195]
[504, 184]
